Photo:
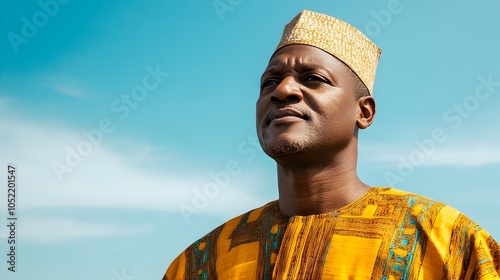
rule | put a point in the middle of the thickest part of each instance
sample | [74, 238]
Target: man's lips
[284, 112]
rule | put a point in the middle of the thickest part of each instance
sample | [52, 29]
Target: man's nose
[288, 90]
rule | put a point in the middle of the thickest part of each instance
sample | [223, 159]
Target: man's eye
[269, 82]
[314, 78]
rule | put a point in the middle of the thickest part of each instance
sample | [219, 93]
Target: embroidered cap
[336, 37]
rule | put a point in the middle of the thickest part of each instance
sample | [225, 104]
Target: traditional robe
[386, 234]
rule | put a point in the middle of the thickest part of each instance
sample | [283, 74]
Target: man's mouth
[284, 114]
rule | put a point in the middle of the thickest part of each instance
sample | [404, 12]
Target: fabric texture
[337, 38]
[386, 234]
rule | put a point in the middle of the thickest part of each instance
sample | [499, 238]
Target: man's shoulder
[401, 193]
[427, 210]
[239, 230]
[417, 204]
[408, 197]
[254, 215]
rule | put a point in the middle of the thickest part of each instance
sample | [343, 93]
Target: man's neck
[322, 187]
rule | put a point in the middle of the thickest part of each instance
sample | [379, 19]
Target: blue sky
[120, 115]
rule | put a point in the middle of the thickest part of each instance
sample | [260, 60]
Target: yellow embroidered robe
[387, 234]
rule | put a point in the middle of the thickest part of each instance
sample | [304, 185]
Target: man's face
[307, 103]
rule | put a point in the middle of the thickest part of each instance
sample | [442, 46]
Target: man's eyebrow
[274, 68]
[271, 70]
[300, 67]
[306, 66]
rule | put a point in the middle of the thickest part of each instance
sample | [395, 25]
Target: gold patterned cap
[336, 37]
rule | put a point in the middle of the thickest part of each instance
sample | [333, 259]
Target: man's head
[312, 99]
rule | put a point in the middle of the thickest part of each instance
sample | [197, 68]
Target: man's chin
[282, 148]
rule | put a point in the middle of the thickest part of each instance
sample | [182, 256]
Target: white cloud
[461, 155]
[50, 230]
[66, 90]
[106, 178]
[61, 82]
[465, 156]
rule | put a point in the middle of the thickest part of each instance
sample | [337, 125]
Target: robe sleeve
[177, 269]
[486, 256]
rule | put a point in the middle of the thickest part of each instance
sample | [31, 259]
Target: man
[316, 93]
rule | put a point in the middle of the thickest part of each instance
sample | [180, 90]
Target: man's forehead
[302, 57]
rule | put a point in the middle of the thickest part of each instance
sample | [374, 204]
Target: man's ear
[366, 112]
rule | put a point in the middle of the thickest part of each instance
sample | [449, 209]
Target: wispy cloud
[106, 178]
[66, 90]
[51, 230]
[460, 155]
[466, 156]
[61, 83]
